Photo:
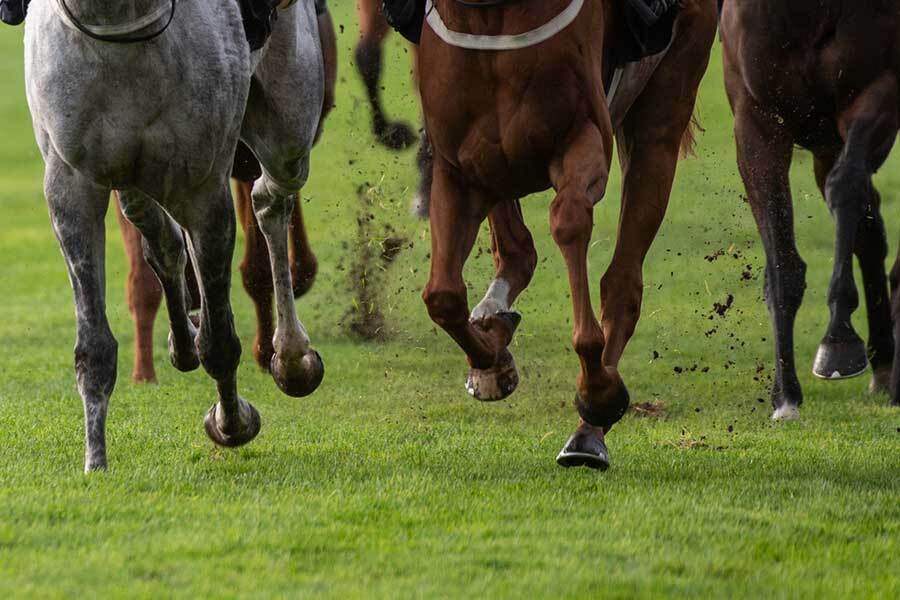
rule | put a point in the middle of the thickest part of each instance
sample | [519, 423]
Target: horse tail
[689, 137]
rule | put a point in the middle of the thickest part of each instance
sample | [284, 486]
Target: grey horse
[158, 120]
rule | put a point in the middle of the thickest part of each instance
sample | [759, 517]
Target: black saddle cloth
[406, 16]
[648, 27]
[647, 24]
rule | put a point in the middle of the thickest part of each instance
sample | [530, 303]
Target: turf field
[390, 481]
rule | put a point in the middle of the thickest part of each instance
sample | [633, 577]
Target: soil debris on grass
[370, 256]
[655, 409]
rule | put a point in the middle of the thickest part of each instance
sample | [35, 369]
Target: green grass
[390, 481]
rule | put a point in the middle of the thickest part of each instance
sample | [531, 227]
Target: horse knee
[96, 355]
[445, 306]
[571, 219]
[790, 278]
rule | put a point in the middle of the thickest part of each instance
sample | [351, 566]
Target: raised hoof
[241, 436]
[183, 359]
[840, 360]
[300, 379]
[786, 412]
[586, 448]
[496, 383]
[396, 136]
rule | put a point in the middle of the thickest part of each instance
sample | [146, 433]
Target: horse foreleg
[764, 151]
[77, 210]
[296, 367]
[164, 250]
[580, 177]
[373, 29]
[868, 127]
[456, 216]
[871, 252]
[231, 421]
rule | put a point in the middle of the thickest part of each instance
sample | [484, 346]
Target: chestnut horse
[821, 74]
[143, 291]
[506, 123]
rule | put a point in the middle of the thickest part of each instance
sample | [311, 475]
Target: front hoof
[184, 359]
[243, 432]
[586, 448]
[496, 383]
[786, 412]
[396, 136]
[301, 378]
[840, 359]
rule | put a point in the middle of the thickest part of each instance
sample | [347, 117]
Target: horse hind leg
[77, 210]
[164, 250]
[869, 127]
[515, 259]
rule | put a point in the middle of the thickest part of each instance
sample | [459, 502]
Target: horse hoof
[586, 448]
[396, 136]
[496, 383]
[183, 359]
[786, 412]
[840, 360]
[242, 434]
[301, 378]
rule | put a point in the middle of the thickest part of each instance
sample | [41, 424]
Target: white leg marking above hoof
[496, 300]
[786, 412]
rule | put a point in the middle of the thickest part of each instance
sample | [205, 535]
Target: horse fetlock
[603, 404]
[235, 429]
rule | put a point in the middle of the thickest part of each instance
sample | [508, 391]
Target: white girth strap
[501, 42]
[122, 29]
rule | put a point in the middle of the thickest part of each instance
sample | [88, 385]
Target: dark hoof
[496, 383]
[299, 379]
[184, 359]
[236, 436]
[840, 360]
[585, 448]
[396, 136]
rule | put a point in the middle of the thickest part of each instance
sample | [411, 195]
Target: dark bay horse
[143, 291]
[507, 121]
[821, 74]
